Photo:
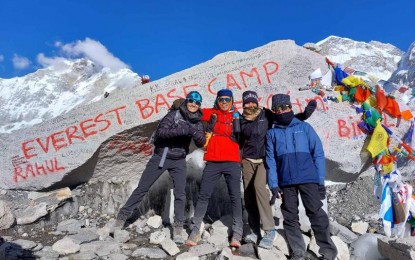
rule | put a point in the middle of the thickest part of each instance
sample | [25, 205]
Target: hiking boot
[251, 238]
[193, 238]
[177, 234]
[119, 224]
[268, 240]
[236, 240]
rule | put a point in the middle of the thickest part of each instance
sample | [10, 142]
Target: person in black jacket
[254, 126]
[172, 139]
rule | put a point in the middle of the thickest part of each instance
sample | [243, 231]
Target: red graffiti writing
[67, 137]
[141, 146]
[35, 169]
[350, 129]
[237, 80]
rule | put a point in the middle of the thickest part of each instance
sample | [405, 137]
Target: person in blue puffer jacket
[295, 164]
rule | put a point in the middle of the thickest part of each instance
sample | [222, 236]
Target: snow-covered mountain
[375, 58]
[55, 90]
[405, 74]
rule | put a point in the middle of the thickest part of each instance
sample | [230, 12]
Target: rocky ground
[75, 230]
[353, 202]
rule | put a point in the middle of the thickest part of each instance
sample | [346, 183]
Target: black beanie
[249, 96]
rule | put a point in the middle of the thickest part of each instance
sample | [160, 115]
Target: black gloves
[322, 191]
[308, 111]
[177, 103]
[275, 195]
[211, 123]
[182, 131]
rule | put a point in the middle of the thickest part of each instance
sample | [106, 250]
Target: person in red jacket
[222, 158]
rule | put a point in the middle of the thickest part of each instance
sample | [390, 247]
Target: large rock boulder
[110, 137]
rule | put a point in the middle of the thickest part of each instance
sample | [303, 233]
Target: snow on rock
[375, 58]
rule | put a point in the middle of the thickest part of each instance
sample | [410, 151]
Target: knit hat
[224, 92]
[280, 100]
[249, 96]
[195, 96]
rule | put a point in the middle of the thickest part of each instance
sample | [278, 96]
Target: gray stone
[149, 252]
[170, 247]
[247, 250]
[117, 257]
[66, 246]
[226, 254]
[342, 232]
[83, 256]
[277, 67]
[6, 215]
[129, 246]
[360, 227]
[25, 244]
[401, 248]
[51, 197]
[70, 225]
[37, 247]
[31, 213]
[121, 236]
[218, 240]
[187, 256]
[203, 249]
[46, 253]
[101, 248]
[342, 248]
[41, 203]
[157, 237]
[154, 221]
[85, 235]
[312, 47]
[273, 253]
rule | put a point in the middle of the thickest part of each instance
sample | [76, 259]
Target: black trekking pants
[318, 218]
[177, 171]
[211, 174]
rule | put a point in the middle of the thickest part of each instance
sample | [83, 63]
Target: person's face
[250, 105]
[192, 105]
[224, 103]
[281, 109]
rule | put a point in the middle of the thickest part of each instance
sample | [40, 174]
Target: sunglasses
[281, 108]
[197, 102]
[226, 99]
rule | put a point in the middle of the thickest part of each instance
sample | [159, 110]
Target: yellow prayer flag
[378, 141]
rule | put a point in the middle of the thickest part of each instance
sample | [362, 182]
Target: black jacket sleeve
[168, 129]
[308, 111]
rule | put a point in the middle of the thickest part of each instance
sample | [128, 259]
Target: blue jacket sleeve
[270, 161]
[317, 152]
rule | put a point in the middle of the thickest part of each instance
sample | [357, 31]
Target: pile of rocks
[71, 229]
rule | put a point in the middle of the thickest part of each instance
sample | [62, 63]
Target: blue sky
[161, 37]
